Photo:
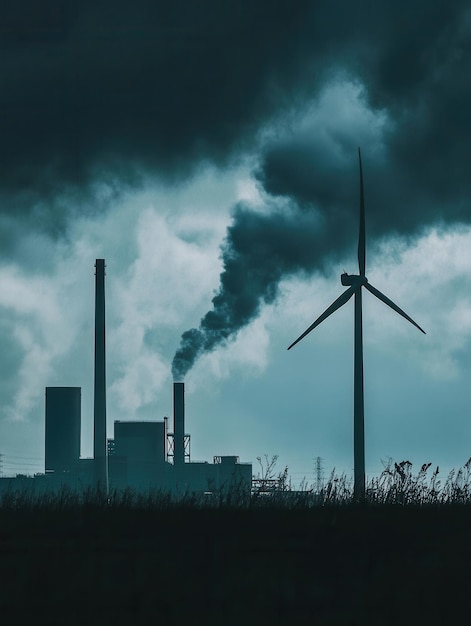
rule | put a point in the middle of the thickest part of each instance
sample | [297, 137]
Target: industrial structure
[142, 455]
[63, 423]
[99, 389]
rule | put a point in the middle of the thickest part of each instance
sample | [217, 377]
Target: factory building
[137, 455]
[142, 455]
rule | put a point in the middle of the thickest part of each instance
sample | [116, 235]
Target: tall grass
[397, 484]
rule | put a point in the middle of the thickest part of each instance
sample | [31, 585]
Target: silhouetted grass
[397, 485]
[276, 555]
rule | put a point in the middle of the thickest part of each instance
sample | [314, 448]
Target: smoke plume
[259, 250]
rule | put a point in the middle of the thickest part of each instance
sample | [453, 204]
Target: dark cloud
[96, 88]
[413, 66]
[111, 91]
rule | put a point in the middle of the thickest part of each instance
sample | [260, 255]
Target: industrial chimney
[179, 424]
[99, 419]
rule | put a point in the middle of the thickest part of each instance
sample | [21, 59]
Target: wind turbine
[355, 282]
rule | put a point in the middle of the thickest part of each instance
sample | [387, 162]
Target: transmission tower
[319, 471]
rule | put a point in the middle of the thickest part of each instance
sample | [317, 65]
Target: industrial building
[142, 456]
[63, 423]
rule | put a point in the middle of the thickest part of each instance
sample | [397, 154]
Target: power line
[22, 463]
[27, 458]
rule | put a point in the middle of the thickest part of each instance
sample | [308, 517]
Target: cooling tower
[99, 417]
[179, 423]
[62, 445]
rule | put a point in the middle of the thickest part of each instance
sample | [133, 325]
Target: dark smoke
[260, 249]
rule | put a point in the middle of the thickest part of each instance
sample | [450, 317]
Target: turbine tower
[355, 282]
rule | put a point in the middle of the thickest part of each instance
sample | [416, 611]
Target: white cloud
[338, 119]
[431, 281]
[246, 355]
[44, 326]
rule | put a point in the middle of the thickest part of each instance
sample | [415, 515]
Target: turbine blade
[341, 300]
[391, 304]
[361, 235]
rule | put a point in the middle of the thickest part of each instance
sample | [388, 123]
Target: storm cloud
[108, 93]
[100, 90]
[103, 89]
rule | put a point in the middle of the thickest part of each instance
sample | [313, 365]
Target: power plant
[142, 455]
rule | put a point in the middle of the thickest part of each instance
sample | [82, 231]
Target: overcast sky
[208, 152]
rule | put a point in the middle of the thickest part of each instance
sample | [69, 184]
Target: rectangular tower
[63, 416]
[140, 441]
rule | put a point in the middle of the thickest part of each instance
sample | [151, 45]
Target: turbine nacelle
[353, 280]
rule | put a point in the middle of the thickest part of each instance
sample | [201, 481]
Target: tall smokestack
[99, 421]
[179, 423]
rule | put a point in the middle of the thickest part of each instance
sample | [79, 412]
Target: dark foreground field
[329, 565]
